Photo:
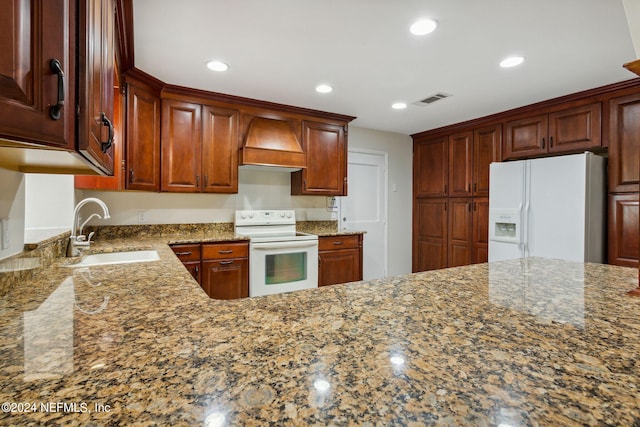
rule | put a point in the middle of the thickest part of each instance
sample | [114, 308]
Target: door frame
[385, 203]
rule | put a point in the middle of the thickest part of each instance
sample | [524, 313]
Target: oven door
[277, 267]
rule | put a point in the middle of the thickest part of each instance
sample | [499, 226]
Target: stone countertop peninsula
[520, 343]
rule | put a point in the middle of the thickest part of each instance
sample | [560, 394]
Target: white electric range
[280, 258]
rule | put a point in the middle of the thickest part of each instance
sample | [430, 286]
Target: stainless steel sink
[117, 258]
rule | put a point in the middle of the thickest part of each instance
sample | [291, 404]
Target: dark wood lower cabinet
[226, 279]
[624, 230]
[450, 232]
[480, 231]
[339, 259]
[221, 269]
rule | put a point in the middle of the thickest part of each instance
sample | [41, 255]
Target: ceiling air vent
[433, 98]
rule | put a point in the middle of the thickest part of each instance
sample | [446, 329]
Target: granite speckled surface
[520, 343]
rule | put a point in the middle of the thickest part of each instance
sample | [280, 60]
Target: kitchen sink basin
[117, 258]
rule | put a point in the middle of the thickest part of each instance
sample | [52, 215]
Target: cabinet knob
[543, 143]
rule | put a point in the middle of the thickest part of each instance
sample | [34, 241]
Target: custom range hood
[274, 144]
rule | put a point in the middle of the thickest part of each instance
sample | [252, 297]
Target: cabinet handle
[305, 184]
[550, 142]
[475, 187]
[107, 122]
[445, 189]
[543, 143]
[469, 206]
[56, 68]
[338, 243]
[197, 180]
[225, 262]
[228, 251]
[468, 188]
[475, 206]
[130, 175]
[183, 253]
[197, 272]
[206, 181]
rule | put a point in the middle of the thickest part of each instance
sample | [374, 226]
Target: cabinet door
[487, 143]
[219, 150]
[480, 230]
[193, 267]
[117, 181]
[226, 279]
[526, 137]
[575, 129]
[624, 146]
[624, 237]
[339, 266]
[460, 235]
[460, 164]
[143, 138]
[32, 34]
[96, 52]
[430, 234]
[431, 168]
[181, 144]
[326, 149]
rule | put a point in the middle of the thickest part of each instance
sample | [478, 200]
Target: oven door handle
[284, 245]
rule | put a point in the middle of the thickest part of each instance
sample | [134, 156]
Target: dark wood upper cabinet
[33, 35]
[575, 129]
[431, 168]
[487, 144]
[624, 144]
[96, 51]
[199, 148]
[526, 137]
[219, 150]
[143, 137]
[571, 130]
[181, 146]
[460, 164]
[325, 146]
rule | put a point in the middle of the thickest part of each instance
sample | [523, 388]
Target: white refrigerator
[553, 207]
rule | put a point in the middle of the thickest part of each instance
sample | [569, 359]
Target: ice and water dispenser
[504, 226]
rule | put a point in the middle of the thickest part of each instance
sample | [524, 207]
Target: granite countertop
[526, 342]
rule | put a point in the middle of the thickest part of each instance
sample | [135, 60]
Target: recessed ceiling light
[511, 61]
[399, 106]
[423, 27]
[217, 66]
[323, 89]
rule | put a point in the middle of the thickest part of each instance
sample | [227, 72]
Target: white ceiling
[279, 50]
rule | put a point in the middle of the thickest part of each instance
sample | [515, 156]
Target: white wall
[256, 190]
[400, 149]
[12, 207]
[632, 9]
[49, 201]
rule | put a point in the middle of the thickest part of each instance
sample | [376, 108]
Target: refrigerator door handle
[525, 229]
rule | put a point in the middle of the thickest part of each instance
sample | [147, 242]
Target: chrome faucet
[76, 240]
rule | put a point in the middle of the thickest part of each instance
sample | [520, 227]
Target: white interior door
[365, 208]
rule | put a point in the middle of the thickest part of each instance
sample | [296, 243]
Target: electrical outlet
[142, 218]
[332, 204]
[5, 232]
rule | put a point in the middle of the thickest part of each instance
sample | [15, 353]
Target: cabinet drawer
[330, 243]
[185, 253]
[225, 250]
